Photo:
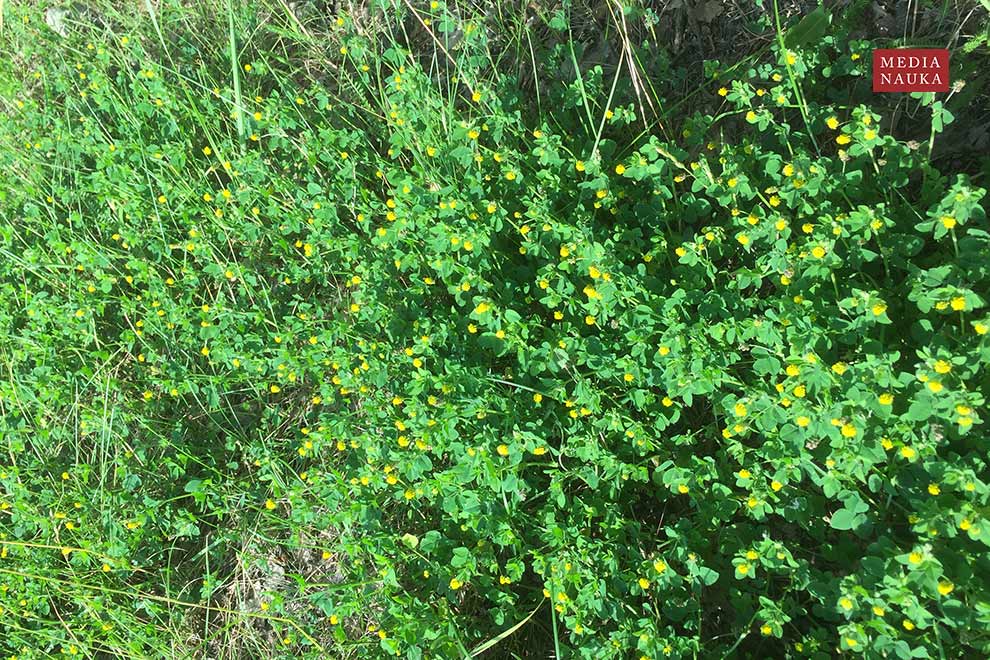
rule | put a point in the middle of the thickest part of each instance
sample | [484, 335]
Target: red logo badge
[910, 70]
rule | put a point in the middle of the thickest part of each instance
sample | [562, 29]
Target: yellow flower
[948, 221]
[908, 625]
[935, 386]
[869, 134]
[659, 566]
[788, 169]
[818, 252]
[722, 91]
[682, 489]
[832, 122]
[776, 485]
[644, 583]
[914, 558]
[740, 410]
[843, 139]
[455, 584]
[908, 452]
[620, 169]
[848, 430]
[751, 116]
[885, 399]
[933, 489]
[840, 368]
[958, 303]
[803, 421]
[269, 504]
[845, 603]
[503, 450]
[589, 319]
[744, 474]
[980, 328]
[878, 309]
[743, 239]
[945, 587]
[765, 629]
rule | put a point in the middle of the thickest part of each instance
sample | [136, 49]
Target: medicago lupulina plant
[391, 358]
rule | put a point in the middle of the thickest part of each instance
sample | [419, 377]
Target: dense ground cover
[416, 330]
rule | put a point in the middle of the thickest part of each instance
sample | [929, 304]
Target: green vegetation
[419, 331]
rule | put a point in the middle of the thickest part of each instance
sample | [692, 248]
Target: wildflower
[945, 587]
[832, 123]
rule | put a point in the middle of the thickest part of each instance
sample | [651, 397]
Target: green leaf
[844, 519]
[809, 29]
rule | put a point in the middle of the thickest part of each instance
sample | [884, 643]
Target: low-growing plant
[388, 359]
